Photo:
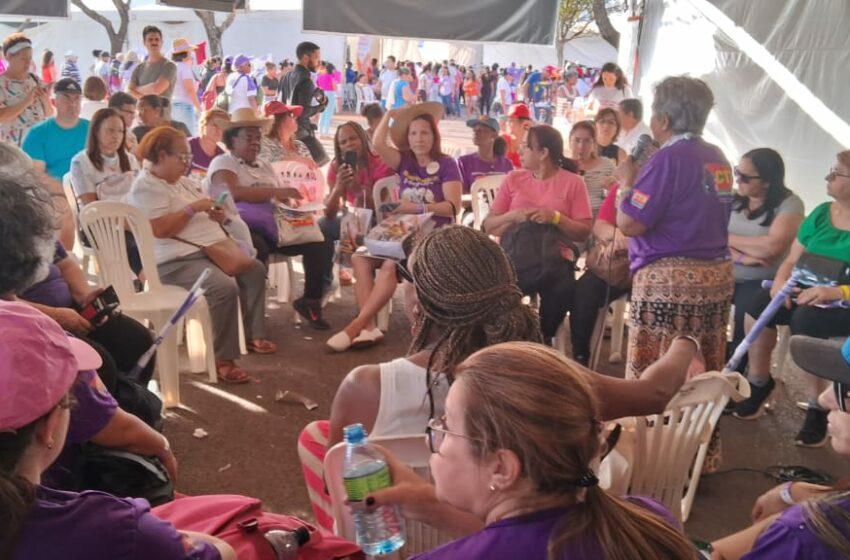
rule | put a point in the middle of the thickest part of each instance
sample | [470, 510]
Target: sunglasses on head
[743, 177]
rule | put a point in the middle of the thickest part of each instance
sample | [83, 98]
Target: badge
[432, 168]
[639, 199]
[718, 177]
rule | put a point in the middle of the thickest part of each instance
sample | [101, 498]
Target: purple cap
[240, 60]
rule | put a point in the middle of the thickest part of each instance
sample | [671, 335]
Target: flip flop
[232, 374]
[262, 346]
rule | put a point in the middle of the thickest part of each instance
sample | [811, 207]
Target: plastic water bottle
[380, 531]
[286, 543]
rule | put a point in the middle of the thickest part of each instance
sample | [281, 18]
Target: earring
[50, 443]
[492, 488]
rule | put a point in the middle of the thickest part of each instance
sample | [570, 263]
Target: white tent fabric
[591, 50]
[777, 70]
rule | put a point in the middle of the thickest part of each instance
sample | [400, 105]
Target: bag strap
[187, 242]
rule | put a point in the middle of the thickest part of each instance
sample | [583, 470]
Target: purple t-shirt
[424, 185]
[53, 290]
[789, 537]
[200, 160]
[527, 536]
[472, 167]
[683, 196]
[97, 526]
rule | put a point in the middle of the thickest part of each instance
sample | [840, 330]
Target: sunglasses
[437, 431]
[743, 177]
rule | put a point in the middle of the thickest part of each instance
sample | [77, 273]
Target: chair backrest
[384, 190]
[106, 224]
[71, 197]
[412, 450]
[666, 444]
[483, 192]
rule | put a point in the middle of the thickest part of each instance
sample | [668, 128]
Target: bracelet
[845, 292]
[785, 494]
[188, 210]
[556, 218]
[692, 339]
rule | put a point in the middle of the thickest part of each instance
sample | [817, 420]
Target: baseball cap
[825, 358]
[273, 108]
[519, 111]
[67, 85]
[486, 121]
[38, 364]
[240, 60]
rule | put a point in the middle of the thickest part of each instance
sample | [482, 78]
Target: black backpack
[535, 251]
[123, 474]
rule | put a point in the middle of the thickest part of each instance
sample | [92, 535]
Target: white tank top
[403, 409]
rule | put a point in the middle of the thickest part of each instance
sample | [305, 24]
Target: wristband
[692, 339]
[845, 292]
[785, 494]
[189, 210]
[556, 218]
[422, 208]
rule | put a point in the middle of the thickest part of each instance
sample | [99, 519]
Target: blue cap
[354, 433]
[486, 121]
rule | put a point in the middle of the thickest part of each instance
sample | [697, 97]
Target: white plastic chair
[83, 253]
[104, 224]
[614, 315]
[384, 190]
[670, 448]
[412, 450]
[485, 188]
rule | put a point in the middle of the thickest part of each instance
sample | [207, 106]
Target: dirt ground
[251, 446]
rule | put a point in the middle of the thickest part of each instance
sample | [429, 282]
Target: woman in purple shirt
[524, 469]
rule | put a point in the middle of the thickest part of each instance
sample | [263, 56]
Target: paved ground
[251, 446]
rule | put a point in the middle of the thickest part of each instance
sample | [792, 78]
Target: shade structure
[35, 8]
[213, 5]
[511, 21]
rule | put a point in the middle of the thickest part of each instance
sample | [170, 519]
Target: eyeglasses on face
[833, 173]
[607, 121]
[743, 177]
[840, 394]
[437, 431]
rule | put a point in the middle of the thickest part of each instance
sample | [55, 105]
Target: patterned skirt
[677, 296]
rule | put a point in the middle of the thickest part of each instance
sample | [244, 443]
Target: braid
[467, 289]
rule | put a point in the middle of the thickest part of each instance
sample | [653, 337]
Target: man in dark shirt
[297, 88]
[270, 82]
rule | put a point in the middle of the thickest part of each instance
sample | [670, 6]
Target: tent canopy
[35, 8]
[512, 21]
[214, 5]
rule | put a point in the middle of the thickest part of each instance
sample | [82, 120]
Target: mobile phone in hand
[350, 159]
[102, 307]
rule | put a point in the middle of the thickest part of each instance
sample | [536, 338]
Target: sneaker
[311, 311]
[753, 407]
[813, 432]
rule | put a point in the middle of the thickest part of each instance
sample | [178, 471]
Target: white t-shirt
[111, 184]
[627, 140]
[240, 88]
[610, 97]
[156, 198]
[88, 108]
[184, 72]
[259, 174]
[503, 86]
[403, 408]
[386, 78]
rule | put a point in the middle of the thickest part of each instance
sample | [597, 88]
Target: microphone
[638, 153]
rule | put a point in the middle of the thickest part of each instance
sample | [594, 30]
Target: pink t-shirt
[564, 192]
[377, 170]
[327, 82]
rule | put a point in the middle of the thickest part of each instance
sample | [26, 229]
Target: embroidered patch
[718, 178]
[639, 199]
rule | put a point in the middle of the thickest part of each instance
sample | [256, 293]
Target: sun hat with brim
[489, 122]
[403, 117]
[273, 108]
[182, 45]
[246, 117]
[825, 358]
[38, 364]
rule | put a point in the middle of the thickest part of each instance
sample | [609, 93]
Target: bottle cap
[354, 433]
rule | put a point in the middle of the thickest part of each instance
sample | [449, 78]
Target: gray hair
[13, 160]
[685, 101]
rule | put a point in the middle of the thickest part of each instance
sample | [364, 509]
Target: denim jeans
[327, 114]
[185, 113]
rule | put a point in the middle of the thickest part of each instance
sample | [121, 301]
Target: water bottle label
[358, 488]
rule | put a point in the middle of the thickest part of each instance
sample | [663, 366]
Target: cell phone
[350, 159]
[389, 207]
[102, 307]
[220, 200]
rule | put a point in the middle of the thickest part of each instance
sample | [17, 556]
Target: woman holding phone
[24, 98]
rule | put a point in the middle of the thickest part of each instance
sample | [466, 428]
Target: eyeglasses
[833, 174]
[743, 177]
[436, 431]
[841, 395]
[185, 158]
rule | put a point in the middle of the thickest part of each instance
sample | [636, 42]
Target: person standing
[297, 88]
[157, 75]
[241, 87]
[327, 82]
[185, 105]
[402, 93]
[48, 67]
[387, 76]
[631, 124]
[24, 99]
[270, 81]
[70, 69]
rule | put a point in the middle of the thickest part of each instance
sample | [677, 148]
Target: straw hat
[182, 45]
[402, 118]
[246, 117]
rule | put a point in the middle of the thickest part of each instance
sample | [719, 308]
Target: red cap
[273, 108]
[519, 111]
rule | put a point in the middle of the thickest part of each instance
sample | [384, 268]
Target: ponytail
[16, 493]
[623, 529]
[568, 164]
[548, 137]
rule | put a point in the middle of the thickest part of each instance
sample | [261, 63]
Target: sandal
[230, 373]
[262, 346]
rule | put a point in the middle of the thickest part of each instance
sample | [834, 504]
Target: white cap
[70, 54]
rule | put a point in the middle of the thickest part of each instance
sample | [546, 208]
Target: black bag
[138, 401]
[535, 251]
[123, 474]
[817, 270]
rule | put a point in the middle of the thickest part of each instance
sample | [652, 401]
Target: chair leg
[696, 472]
[167, 366]
[780, 354]
[618, 326]
[243, 348]
[596, 338]
[383, 319]
[561, 337]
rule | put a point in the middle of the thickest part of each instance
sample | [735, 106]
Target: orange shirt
[470, 88]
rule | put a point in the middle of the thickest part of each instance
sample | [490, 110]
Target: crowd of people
[514, 425]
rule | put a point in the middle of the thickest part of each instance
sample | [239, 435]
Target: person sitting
[177, 208]
[607, 129]
[24, 98]
[632, 125]
[253, 187]
[801, 520]
[40, 375]
[765, 218]
[94, 97]
[519, 121]
[205, 147]
[518, 476]
[486, 161]
[825, 232]
[546, 191]
[125, 104]
[373, 113]
[430, 182]
[598, 171]
[279, 143]
[153, 113]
